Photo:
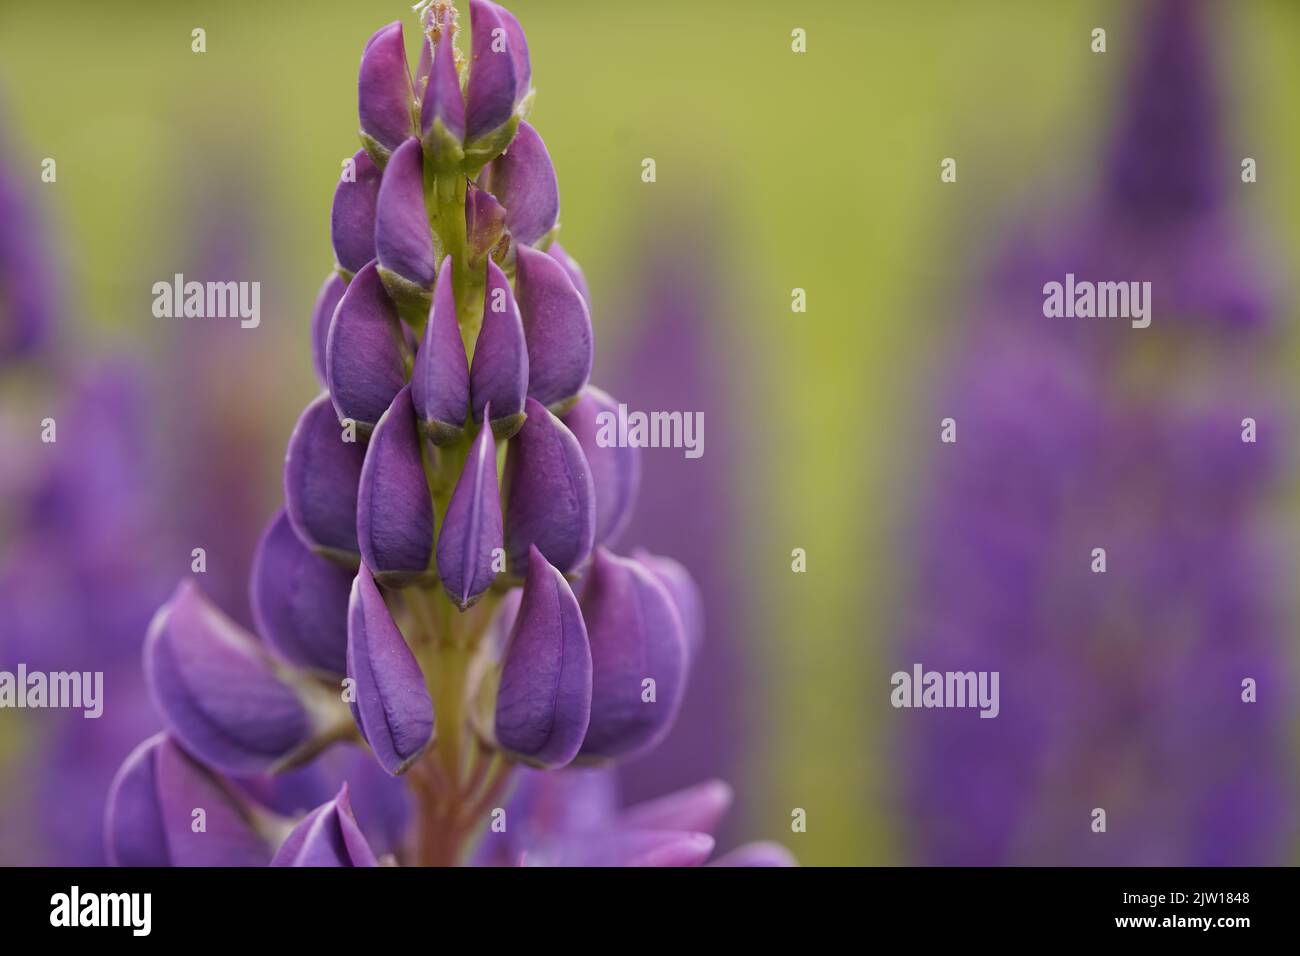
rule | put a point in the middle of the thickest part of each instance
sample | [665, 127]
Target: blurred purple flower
[1119, 690]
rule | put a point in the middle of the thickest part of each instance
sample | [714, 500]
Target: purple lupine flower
[1109, 697]
[390, 701]
[394, 513]
[544, 700]
[440, 381]
[322, 475]
[471, 532]
[218, 690]
[385, 97]
[436, 472]
[557, 326]
[300, 600]
[499, 373]
[352, 220]
[638, 652]
[328, 836]
[573, 818]
[550, 503]
[150, 821]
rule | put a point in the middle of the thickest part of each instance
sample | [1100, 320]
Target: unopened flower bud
[440, 379]
[394, 510]
[352, 219]
[638, 658]
[500, 77]
[328, 836]
[300, 600]
[442, 110]
[365, 353]
[385, 99]
[149, 818]
[557, 326]
[218, 691]
[322, 471]
[403, 236]
[544, 701]
[392, 706]
[523, 180]
[499, 372]
[471, 530]
[550, 502]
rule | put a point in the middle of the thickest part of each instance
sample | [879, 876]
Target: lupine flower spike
[429, 591]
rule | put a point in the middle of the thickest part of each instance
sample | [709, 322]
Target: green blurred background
[823, 168]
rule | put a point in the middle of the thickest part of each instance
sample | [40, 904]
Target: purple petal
[394, 509]
[557, 326]
[491, 96]
[472, 527]
[352, 220]
[485, 222]
[328, 836]
[227, 837]
[657, 848]
[384, 95]
[321, 475]
[523, 180]
[322, 314]
[572, 270]
[636, 636]
[698, 808]
[403, 236]
[300, 600]
[150, 820]
[499, 373]
[440, 380]
[133, 825]
[615, 470]
[685, 594]
[443, 101]
[216, 688]
[392, 705]
[757, 854]
[544, 701]
[518, 46]
[363, 356]
[550, 502]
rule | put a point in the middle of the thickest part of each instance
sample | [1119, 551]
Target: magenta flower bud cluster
[439, 585]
